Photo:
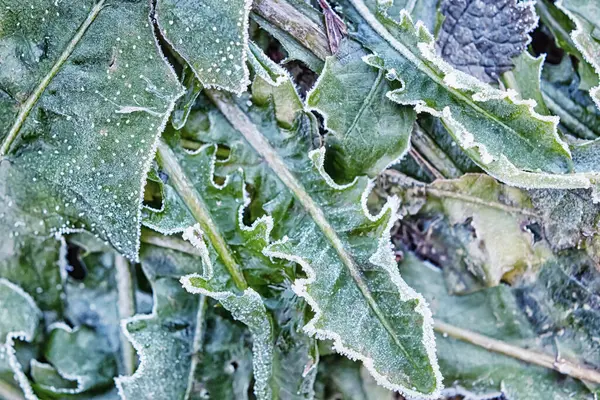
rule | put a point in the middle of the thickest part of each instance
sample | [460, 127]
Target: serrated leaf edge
[482, 92]
[575, 35]
[20, 376]
[383, 257]
[262, 389]
[148, 162]
[63, 326]
[214, 160]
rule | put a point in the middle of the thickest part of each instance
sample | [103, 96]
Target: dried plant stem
[544, 360]
[286, 17]
[428, 149]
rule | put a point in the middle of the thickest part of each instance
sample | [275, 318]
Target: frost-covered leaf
[81, 356]
[561, 26]
[586, 36]
[164, 339]
[91, 295]
[345, 253]
[426, 11]
[489, 223]
[19, 320]
[250, 310]
[501, 133]
[367, 129]
[227, 251]
[211, 36]
[273, 84]
[85, 95]
[514, 316]
[578, 114]
[525, 79]
[481, 37]
[186, 102]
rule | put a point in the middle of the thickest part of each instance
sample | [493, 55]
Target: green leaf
[273, 84]
[83, 104]
[525, 79]
[498, 313]
[19, 320]
[212, 38]
[501, 133]
[192, 173]
[367, 129]
[561, 26]
[585, 36]
[345, 253]
[249, 309]
[164, 339]
[578, 114]
[80, 355]
[186, 102]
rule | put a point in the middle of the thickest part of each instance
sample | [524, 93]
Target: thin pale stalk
[423, 163]
[197, 343]
[126, 308]
[533, 357]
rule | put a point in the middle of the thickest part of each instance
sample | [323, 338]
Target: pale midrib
[364, 11]
[440, 193]
[34, 97]
[401, 180]
[192, 199]
[366, 102]
[244, 125]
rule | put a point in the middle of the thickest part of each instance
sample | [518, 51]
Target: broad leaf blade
[20, 320]
[345, 253]
[367, 129]
[578, 114]
[83, 120]
[211, 36]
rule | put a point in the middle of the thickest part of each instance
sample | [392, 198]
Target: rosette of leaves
[277, 133]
